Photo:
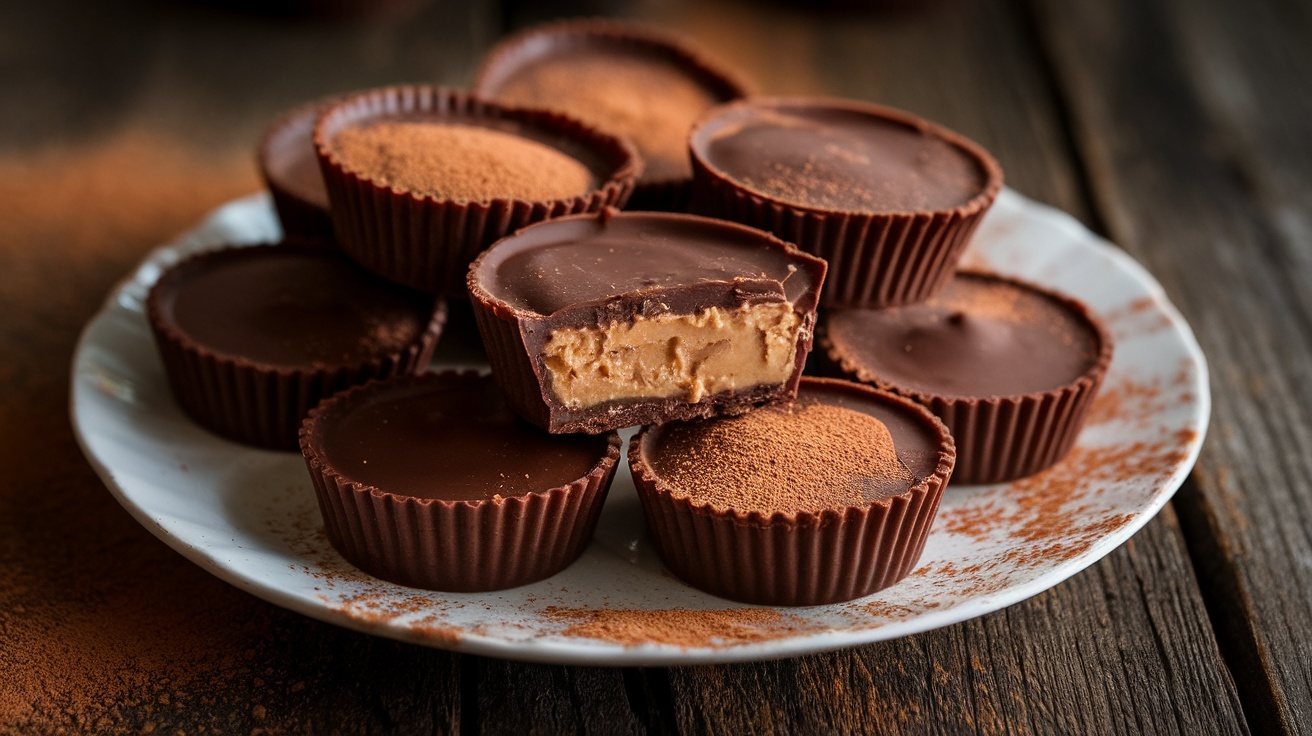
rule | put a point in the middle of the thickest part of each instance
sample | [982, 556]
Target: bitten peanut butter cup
[253, 337]
[421, 179]
[290, 168]
[888, 199]
[636, 81]
[1010, 368]
[822, 500]
[603, 321]
[431, 481]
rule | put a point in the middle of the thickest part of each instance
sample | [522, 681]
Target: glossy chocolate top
[840, 156]
[669, 262]
[288, 156]
[644, 96]
[981, 336]
[449, 437]
[290, 306]
[838, 445]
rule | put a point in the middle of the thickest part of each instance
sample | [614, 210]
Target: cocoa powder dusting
[104, 629]
[794, 458]
[679, 627]
[461, 163]
[1060, 514]
[999, 301]
[651, 101]
[1055, 516]
[1141, 316]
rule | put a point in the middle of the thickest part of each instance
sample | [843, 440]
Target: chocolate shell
[290, 168]
[427, 243]
[419, 482]
[791, 549]
[888, 199]
[1011, 368]
[273, 329]
[596, 322]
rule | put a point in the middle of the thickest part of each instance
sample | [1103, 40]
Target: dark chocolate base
[302, 220]
[637, 412]
[661, 196]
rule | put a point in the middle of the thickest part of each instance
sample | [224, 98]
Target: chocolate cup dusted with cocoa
[889, 199]
[431, 481]
[427, 241]
[253, 337]
[290, 168]
[1010, 367]
[824, 500]
[627, 78]
[596, 322]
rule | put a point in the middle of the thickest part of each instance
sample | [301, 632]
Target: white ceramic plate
[250, 517]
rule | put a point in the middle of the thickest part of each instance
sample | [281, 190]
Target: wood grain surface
[1196, 128]
[1182, 130]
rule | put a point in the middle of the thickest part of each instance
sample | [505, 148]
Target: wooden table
[1181, 130]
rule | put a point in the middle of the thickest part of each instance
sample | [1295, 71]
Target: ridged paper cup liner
[800, 559]
[531, 46]
[455, 546]
[255, 403]
[876, 259]
[1001, 438]
[289, 139]
[427, 243]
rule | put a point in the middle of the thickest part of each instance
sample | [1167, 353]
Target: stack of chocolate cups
[788, 553]
[421, 180]
[758, 484]
[299, 345]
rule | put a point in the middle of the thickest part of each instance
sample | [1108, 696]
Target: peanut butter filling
[690, 355]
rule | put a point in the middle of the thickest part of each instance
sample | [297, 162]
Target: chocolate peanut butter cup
[622, 77]
[431, 481]
[888, 199]
[822, 500]
[253, 337]
[421, 179]
[1010, 368]
[596, 322]
[290, 168]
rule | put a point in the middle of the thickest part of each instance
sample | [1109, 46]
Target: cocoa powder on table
[102, 627]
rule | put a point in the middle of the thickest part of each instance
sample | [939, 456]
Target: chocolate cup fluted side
[427, 243]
